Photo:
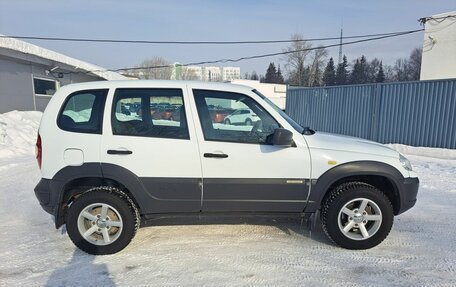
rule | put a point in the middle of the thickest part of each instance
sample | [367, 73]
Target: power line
[196, 42]
[436, 19]
[266, 55]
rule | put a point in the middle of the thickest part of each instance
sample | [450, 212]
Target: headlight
[405, 163]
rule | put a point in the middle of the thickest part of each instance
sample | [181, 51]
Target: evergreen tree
[364, 78]
[355, 75]
[359, 74]
[329, 75]
[280, 79]
[342, 72]
[254, 76]
[380, 78]
[271, 74]
[316, 76]
[306, 76]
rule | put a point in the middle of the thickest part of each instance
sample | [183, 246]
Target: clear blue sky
[214, 20]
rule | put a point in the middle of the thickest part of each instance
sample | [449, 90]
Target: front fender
[319, 187]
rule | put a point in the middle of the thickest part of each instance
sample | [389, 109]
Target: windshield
[294, 124]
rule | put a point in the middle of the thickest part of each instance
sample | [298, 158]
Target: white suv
[241, 117]
[105, 168]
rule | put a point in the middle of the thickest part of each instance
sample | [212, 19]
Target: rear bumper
[408, 190]
[47, 191]
[43, 194]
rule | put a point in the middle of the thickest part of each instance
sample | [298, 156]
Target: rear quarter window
[82, 112]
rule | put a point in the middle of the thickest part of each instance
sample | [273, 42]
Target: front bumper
[408, 190]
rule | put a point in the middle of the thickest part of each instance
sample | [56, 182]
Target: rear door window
[149, 113]
[82, 111]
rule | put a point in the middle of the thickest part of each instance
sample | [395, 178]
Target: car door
[161, 153]
[242, 170]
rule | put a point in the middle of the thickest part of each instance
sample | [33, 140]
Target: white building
[231, 73]
[30, 74]
[210, 74]
[439, 47]
[277, 93]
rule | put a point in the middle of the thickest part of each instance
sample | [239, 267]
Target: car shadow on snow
[308, 228]
[81, 270]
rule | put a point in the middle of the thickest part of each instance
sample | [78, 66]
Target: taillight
[38, 150]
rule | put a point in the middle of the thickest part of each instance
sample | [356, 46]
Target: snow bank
[441, 153]
[18, 131]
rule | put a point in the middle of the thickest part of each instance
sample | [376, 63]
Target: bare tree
[295, 61]
[401, 70]
[316, 67]
[188, 73]
[156, 68]
[408, 69]
[415, 63]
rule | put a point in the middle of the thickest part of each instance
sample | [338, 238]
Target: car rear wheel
[248, 122]
[356, 215]
[102, 221]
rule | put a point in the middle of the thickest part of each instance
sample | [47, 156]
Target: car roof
[157, 84]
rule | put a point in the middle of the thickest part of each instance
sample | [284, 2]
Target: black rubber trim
[215, 155]
[358, 168]
[409, 190]
[122, 152]
[43, 194]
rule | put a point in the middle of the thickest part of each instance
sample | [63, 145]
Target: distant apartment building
[231, 73]
[209, 74]
[212, 74]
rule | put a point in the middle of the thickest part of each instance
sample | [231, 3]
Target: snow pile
[420, 250]
[441, 153]
[18, 131]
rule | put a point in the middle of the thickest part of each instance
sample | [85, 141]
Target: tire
[84, 216]
[248, 122]
[353, 228]
[227, 122]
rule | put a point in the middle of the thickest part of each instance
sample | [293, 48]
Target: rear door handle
[215, 155]
[119, 151]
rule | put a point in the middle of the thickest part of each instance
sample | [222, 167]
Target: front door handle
[119, 151]
[215, 155]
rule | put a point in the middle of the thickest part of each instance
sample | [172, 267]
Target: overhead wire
[195, 42]
[364, 38]
[267, 55]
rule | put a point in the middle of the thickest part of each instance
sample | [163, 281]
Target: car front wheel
[102, 221]
[356, 215]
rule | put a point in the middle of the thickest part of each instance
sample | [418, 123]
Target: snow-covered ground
[420, 250]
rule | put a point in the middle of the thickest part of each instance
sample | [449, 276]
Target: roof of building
[27, 48]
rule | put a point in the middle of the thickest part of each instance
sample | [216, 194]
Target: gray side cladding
[157, 195]
[172, 195]
[255, 194]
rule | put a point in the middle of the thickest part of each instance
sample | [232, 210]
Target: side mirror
[282, 137]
